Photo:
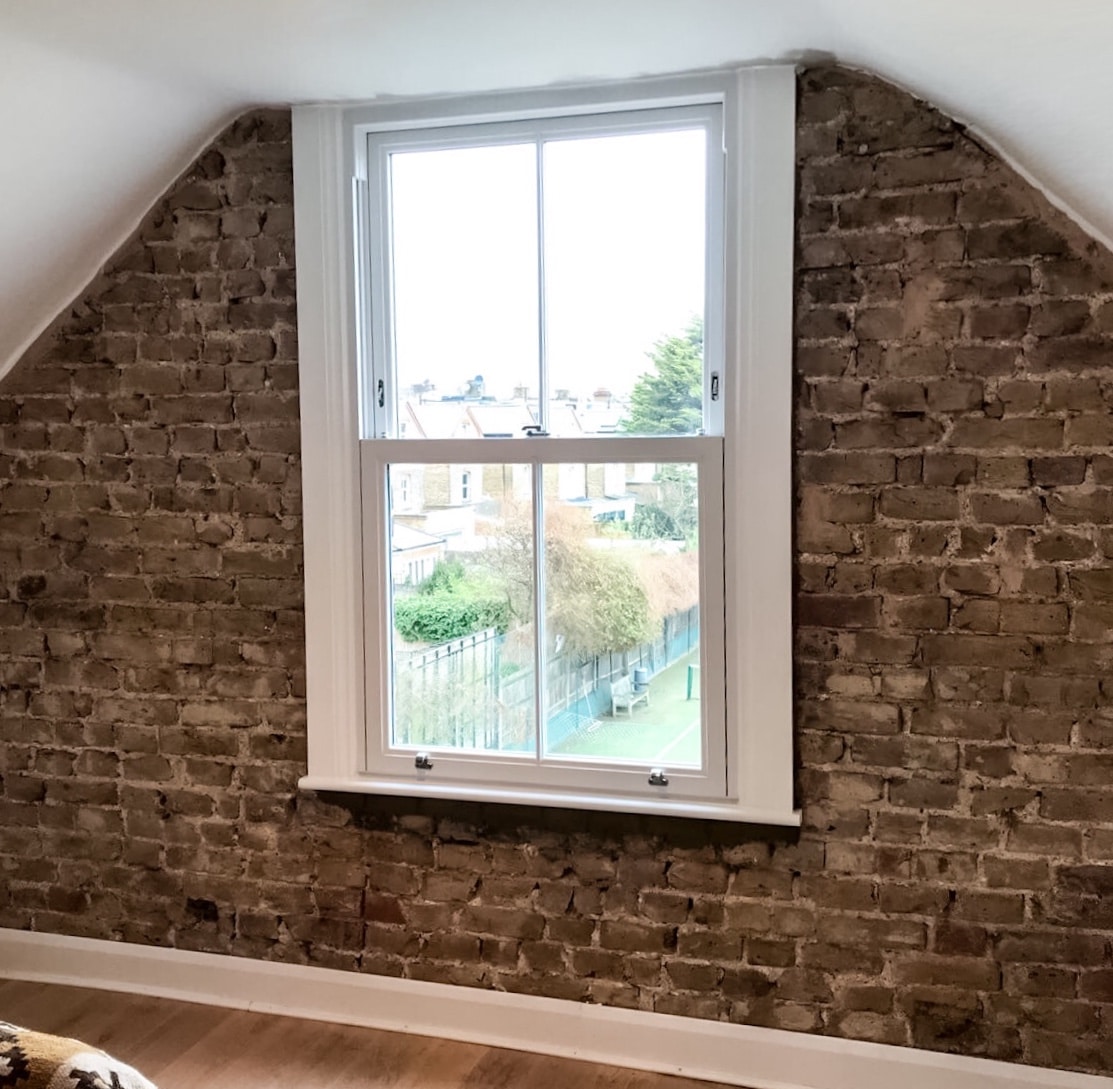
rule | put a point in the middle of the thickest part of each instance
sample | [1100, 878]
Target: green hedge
[450, 604]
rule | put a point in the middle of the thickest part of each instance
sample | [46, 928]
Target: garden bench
[624, 695]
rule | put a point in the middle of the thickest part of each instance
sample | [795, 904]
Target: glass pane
[462, 589]
[464, 250]
[624, 282]
[622, 613]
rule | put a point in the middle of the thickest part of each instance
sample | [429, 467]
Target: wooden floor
[180, 1045]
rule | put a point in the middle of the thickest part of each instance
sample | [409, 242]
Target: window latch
[535, 430]
[714, 385]
[658, 778]
[380, 393]
[422, 762]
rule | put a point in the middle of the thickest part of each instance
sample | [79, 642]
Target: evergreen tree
[668, 400]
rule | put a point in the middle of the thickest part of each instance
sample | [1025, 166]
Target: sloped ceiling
[103, 104]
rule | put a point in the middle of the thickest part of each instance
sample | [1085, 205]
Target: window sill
[659, 807]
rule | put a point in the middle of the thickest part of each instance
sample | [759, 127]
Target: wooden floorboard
[182, 1045]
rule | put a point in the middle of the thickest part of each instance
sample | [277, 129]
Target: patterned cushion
[33, 1060]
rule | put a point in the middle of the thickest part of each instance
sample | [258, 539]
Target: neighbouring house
[414, 554]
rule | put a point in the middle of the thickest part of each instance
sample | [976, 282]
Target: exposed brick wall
[955, 536]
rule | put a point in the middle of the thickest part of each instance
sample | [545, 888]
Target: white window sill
[609, 803]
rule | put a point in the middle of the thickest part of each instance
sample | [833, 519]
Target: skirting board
[741, 1055]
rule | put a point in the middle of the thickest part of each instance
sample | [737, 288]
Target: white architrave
[760, 233]
[329, 443]
[759, 119]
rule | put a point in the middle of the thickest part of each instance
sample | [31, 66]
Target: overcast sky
[624, 259]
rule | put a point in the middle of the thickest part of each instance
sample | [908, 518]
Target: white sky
[624, 259]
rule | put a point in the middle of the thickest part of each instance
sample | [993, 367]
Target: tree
[594, 600]
[652, 522]
[668, 400]
[675, 514]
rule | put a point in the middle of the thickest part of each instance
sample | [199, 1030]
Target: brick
[907, 579]
[1049, 619]
[636, 937]
[1070, 354]
[1005, 321]
[877, 647]
[1088, 430]
[1001, 242]
[999, 908]
[947, 971]
[1095, 584]
[835, 611]
[918, 613]
[853, 717]
[902, 360]
[833, 468]
[927, 167]
[912, 899]
[843, 507]
[1077, 806]
[900, 432]
[977, 650]
[1060, 317]
[992, 204]
[1056, 471]
[1091, 880]
[972, 723]
[897, 396]
[1051, 547]
[948, 470]
[910, 753]
[1074, 394]
[1049, 946]
[1079, 506]
[920, 504]
[934, 238]
[1007, 509]
[1028, 434]
[1097, 985]
[815, 361]
[1003, 472]
[989, 281]
[955, 395]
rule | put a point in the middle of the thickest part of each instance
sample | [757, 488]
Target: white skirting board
[741, 1055]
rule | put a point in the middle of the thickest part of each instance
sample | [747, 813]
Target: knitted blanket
[33, 1060]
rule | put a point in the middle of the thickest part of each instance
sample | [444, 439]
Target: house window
[508, 254]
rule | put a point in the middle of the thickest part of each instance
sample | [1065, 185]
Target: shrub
[450, 604]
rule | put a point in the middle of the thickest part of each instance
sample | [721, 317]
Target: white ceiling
[103, 104]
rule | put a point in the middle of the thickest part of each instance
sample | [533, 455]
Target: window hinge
[714, 385]
[658, 778]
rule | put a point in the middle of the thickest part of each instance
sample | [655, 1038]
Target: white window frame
[756, 328]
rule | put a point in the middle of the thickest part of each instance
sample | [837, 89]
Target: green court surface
[667, 731]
